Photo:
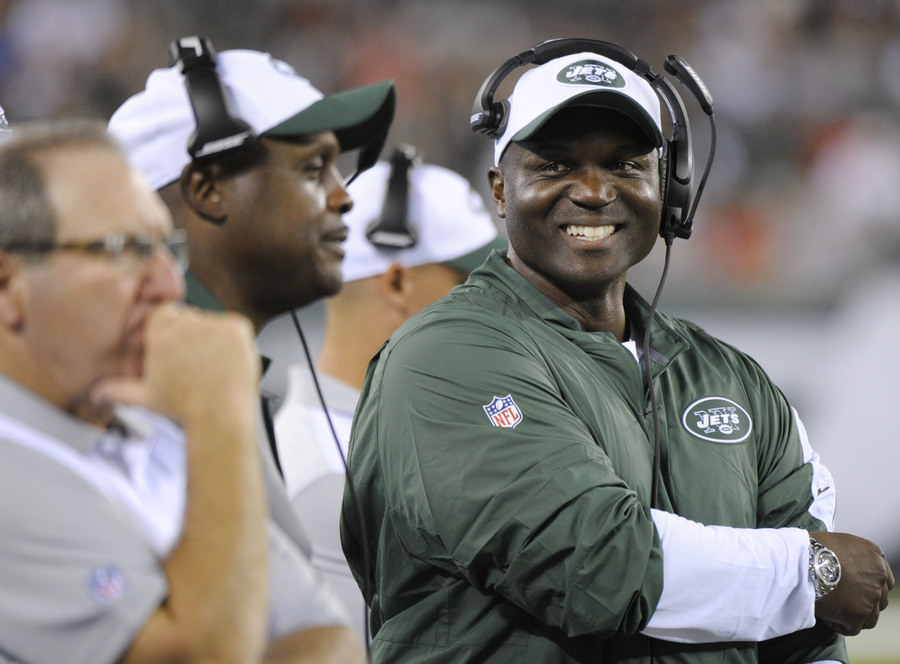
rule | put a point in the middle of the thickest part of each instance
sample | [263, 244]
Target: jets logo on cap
[591, 72]
[503, 412]
[718, 420]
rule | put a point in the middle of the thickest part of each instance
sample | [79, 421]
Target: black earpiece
[489, 117]
[393, 229]
[219, 132]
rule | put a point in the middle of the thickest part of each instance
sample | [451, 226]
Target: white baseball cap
[451, 222]
[580, 79]
[155, 125]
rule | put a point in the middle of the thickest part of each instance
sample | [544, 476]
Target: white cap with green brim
[453, 225]
[155, 125]
[580, 79]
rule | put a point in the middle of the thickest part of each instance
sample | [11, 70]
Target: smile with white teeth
[590, 232]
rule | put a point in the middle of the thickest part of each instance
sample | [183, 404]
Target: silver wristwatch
[824, 568]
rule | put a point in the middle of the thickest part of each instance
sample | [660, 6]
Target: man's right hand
[862, 592]
[201, 369]
[196, 364]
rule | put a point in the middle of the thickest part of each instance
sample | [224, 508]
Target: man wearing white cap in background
[244, 151]
[503, 450]
[415, 231]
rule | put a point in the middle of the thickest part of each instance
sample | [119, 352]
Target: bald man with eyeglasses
[132, 497]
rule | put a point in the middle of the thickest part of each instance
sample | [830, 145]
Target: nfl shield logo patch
[106, 584]
[503, 412]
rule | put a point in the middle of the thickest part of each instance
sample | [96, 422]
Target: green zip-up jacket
[503, 461]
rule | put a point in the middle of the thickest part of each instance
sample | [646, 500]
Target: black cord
[648, 379]
[354, 497]
[645, 344]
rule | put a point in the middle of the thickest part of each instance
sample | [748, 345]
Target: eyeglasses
[117, 247]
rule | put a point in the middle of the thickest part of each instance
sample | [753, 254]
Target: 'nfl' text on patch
[503, 412]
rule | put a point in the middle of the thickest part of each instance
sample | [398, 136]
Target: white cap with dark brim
[580, 79]
[155, 125]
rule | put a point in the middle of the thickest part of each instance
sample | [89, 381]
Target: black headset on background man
[489, 117]
[219, 132]
[393, 229]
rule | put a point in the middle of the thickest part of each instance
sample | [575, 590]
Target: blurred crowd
[807, 99]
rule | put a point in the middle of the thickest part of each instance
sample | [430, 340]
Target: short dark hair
[26, 213]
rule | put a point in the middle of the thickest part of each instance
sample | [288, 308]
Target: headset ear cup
[676, 195]
[500, 115]
[479, 122]
[484, 119]
[491, 120]
[671, 214]
[663, 183]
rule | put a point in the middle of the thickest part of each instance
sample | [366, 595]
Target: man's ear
[498, 190]
[201, 189]
[393, 285]
[11, 308]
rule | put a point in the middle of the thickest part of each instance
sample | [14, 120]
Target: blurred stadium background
[796, 252]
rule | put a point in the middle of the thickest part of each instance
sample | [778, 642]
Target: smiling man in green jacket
[503, 448]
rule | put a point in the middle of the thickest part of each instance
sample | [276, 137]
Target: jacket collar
[665, 341]
[199, 295]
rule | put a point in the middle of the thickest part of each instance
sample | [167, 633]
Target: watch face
[827, 567]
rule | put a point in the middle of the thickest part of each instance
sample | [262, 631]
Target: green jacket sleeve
[795, 490]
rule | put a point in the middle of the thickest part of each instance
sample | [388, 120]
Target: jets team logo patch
[591, 72]
[106, 584]
[503, 412]
[718, 420]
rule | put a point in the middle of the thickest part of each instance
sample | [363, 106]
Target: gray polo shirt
[87, 518]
